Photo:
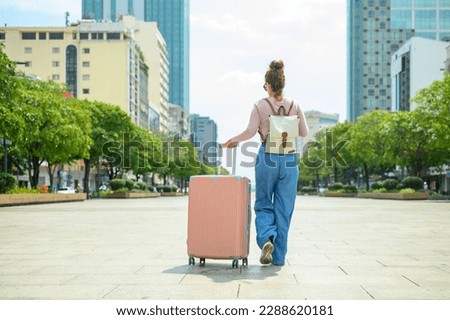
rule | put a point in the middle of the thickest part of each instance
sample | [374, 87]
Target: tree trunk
[33, 171]
[50, 174]
[87, 172]
[366, 176]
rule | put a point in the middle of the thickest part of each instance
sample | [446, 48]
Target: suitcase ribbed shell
[219, 217]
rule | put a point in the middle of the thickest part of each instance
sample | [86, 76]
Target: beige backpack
[283, 131]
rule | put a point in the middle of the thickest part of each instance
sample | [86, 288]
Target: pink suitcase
[219, 218]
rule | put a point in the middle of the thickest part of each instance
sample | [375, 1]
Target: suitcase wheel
[245, 262]
[191, 261]
[235, 263]
[202, 262]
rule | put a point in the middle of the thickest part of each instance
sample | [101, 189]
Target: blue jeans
[276, 190]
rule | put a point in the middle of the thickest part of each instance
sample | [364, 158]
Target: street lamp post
[6, 143]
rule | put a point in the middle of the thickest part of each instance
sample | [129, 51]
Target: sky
[232, 42]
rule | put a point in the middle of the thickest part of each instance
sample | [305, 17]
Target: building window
[444, 19]
[2, 36]
[401, 19]
[84, 36]
[427, 35]
[55, 50]
[371, 92]
[113, 36]
[28, 50]
[371, 81]
[74, 36]
[71, 69]
[86, 77]
[56, 36]
[425, 19]
[86, 50]
[382, 92]
[55, 63]
[86, 64]
[425, 3]
[42, 36]
[28, 35]
[85, 91]
[55, 77]
[401, 3]
[97, 36]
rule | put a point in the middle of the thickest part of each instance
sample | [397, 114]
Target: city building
[204, 138]
[412, 69]
[375, 30]
[172, 17]
[123, 63]
[179, 121]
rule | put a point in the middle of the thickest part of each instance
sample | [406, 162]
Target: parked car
[66, 190]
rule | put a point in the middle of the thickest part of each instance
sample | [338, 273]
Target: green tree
[53, 132]
[11, 120]
[185, 162]
[109, 125]
[369, 143]
[143, 149]
[326, 155]
[12, 123]
[416, 142]
[72, 137]
[433, 113]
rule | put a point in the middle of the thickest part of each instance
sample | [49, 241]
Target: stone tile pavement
[131, 249]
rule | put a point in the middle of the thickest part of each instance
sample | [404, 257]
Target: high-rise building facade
[204, 138]
[375, 30]
[172, 17]
[178, 122]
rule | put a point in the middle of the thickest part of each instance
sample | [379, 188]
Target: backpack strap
[279, 110]
[263, 139]
[271, 106]
[290, 108]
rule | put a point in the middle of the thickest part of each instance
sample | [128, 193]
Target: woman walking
[276, 175]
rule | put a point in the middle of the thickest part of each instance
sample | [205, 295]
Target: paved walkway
[136, 249]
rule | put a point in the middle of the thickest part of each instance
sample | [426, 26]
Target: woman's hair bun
[277, 65]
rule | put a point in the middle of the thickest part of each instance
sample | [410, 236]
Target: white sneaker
[266, 253]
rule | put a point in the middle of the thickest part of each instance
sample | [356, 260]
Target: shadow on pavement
[224, 272]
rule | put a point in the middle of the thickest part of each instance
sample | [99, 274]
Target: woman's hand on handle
[230, 144]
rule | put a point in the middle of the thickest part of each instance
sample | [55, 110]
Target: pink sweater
[259, 118]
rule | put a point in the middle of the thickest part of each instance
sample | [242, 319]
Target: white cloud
[241, 77]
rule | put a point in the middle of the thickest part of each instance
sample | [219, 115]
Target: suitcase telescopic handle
[233, 152]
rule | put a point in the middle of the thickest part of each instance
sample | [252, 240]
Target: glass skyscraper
[172, 17]
[375, 30]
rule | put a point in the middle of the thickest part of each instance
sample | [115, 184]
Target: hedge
[415, 183]
[7, 182]
[390, 184]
